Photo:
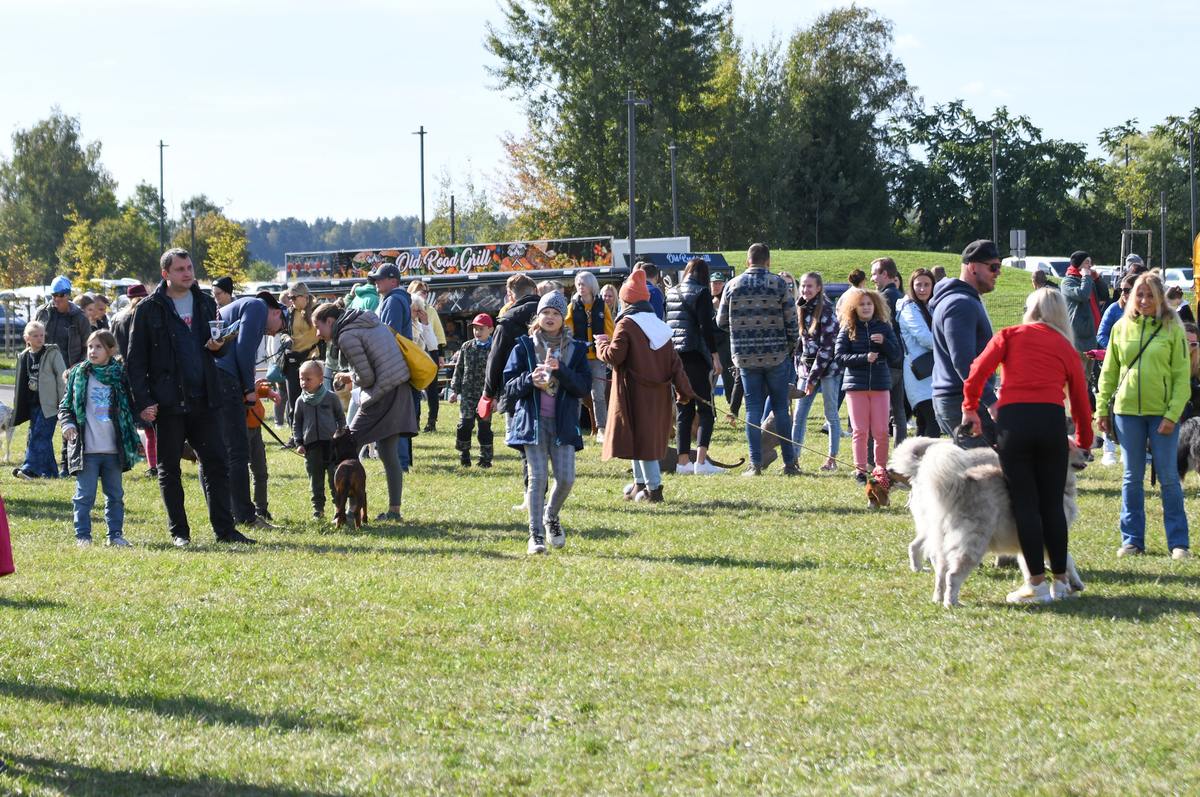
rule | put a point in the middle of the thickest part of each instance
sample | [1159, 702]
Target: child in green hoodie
[318, 415]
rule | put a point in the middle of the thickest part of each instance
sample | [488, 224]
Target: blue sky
[306, 109]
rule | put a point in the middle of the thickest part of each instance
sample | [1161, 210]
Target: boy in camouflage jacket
[466, 387]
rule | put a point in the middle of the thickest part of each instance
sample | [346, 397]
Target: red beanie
[634, 289]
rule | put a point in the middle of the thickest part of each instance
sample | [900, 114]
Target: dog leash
[728, 414]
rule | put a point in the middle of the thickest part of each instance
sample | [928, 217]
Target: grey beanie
[1132, 258]
[554, 301]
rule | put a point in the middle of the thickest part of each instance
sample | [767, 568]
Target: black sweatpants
[697, 367]
[1032, 441]
[926, 419]
[204, 431]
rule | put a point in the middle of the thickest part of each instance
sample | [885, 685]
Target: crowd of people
[640, 364]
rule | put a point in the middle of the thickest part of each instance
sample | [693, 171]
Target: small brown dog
[349, 479]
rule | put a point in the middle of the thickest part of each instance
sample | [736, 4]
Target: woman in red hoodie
[1039, 358]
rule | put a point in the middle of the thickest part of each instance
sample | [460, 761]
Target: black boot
[464, 458]
[485, 456]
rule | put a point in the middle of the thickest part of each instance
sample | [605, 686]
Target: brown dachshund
[349, 479]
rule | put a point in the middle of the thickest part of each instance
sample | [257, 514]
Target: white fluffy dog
[962, 511]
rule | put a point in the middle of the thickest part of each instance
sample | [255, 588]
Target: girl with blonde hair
[864, 346]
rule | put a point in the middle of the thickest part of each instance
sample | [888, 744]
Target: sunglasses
[1126, 291]
[993, 267]
[60, 294]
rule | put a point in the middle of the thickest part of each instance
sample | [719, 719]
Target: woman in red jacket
[1039, 358]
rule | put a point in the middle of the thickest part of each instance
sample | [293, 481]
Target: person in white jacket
[426, 338]
[915, 330]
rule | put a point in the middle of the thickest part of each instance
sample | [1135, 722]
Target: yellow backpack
[422, 369]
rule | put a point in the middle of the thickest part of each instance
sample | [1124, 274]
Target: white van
[1055, 267]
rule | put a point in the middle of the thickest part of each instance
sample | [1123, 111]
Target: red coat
[641, 414]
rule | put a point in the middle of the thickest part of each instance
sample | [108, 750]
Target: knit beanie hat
[554, 301]
[634, 289]
[1077, 258]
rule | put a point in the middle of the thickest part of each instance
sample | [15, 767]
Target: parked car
[14, 335]
[1178, 276]
[1055, 267]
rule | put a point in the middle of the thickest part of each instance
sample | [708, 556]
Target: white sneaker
[846, 432]
[558, 537]
[686, 470]
[83, 542]
[1109, 459]
[1031, 594]
[537, 544]
[706, 468]
[1181, 553]
[1059, 590]
[600, 436]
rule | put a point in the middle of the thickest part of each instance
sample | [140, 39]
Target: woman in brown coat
[645, 365]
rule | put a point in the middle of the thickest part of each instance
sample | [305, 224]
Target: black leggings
[1032, 441]
[697, 367]
[926, 419]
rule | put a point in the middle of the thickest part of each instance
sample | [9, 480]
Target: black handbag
[1112, 400]
[922, 366]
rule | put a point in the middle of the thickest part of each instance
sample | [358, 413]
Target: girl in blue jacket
[546, 376]
[864, 346]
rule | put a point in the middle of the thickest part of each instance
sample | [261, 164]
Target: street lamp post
[674, 205]
[1163, 210]
[1192, 176]
[421, 133]
[452, 219]
[995, 207]
[632, 104]
[162, 211]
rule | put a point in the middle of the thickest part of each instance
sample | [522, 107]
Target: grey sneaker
[83, 542]
[752, 470]
[558, 537]
[537, 543]
[1129, 550]
[118, 542]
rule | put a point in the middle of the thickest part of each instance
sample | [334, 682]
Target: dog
[961, 508]
[6, 428]
[349, 479]
[1188, 458]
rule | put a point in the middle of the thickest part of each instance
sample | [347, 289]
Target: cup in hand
[214, 329]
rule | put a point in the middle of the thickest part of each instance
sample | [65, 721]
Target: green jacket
[363, 297]
[1160, 382]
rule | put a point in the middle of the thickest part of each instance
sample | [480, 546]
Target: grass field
[746, 637]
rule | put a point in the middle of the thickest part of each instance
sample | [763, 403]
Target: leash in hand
[730, 415]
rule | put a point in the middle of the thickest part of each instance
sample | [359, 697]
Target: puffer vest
[683, 318]
[579, 319]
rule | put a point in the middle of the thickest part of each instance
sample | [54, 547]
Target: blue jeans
[828, 388]
[759, 384]
[1133, 431]
[40, 459]
[647, 472]
[107, 469]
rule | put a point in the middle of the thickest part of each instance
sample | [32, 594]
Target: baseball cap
[385, 271]
[272, 303]
[482, 320]
[60, 284]
[980, 252]
[717, 276]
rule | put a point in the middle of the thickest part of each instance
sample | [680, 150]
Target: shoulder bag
[1112, 400]
[422, 370]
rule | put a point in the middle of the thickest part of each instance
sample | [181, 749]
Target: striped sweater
[759, 312]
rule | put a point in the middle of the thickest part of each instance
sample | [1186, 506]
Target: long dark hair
[912, 293]
[697, 268]
[819, 302]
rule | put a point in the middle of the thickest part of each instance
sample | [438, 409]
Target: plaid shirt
[759, 312]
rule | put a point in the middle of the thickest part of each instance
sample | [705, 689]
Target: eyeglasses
[60, 294]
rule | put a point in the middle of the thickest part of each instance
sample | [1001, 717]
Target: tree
[129, 245]
[79, 256]
[196, 207]
[475, 219]
[228, 255]
[18, 268]
[51, 172]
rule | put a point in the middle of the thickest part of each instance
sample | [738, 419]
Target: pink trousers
[870, 411]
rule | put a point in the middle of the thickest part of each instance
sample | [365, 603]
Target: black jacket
[510, 326]
[852, 356]
[152, 364]
[690, 316]
[69, 331]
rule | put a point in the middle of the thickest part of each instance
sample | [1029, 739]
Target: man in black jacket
[173, 376]
[886, 277]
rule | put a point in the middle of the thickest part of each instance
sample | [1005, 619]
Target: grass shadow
[1126, 607]
[74, 779]
[29, 603]
[183, 707]
[350, 549]
[721, 561]
[39, 508]
[1131, 576]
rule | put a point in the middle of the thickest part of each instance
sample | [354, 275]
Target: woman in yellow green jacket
[588, 316]
[1148, 370]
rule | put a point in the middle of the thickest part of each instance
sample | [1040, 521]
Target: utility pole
[421, 133]
[195, 261]
[1192, 176]
[1163, 210]
[674, 205]
[632, 104]
[995, 208]
[1128, 206]
[162, 211]
[452, 219]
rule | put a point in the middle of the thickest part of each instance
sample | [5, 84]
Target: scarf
[313, 399]
[634, 307]
[1073, 271]
[112, 376]
[543, 344]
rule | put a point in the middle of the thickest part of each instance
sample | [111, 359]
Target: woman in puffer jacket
[863, 348]
[379, 370]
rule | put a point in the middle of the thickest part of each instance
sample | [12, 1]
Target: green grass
[746, 637]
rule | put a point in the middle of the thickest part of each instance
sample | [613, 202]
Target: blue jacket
[395, 310]
[851, 355]
[243, 354]
[961, 331]
[521, 399]
[657, 302]
[1111, 316]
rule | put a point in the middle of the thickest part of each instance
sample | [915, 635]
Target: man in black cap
[222, 291]
[258, 316]
[961, 330]
[1083, 306]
